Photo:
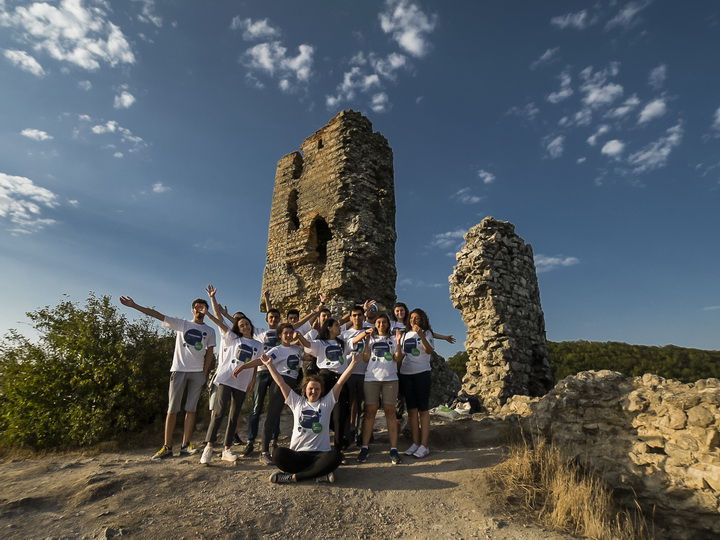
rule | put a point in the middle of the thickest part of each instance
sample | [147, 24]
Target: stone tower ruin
[332, 222]
[494, 285]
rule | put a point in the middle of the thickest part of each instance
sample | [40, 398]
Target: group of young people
[333, 374]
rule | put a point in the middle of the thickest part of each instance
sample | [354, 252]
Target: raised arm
[284, 388]
[449, 338]
[301, 339]
[129, 302]
[217, 318]
[344, 377]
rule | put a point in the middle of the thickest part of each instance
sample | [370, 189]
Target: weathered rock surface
[332, 222]
[494, 285]
[655, 438]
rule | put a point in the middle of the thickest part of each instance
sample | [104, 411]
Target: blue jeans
[263, 381]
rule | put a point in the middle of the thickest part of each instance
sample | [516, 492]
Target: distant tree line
[671, 362]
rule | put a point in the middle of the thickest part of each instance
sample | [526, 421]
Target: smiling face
[357, 317]
[245, 328]
[287, 335]
[382, 325]
[400, 313]
[313, 391]
[273, 319]
[415, 319]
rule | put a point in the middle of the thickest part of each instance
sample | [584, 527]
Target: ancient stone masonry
[494, 285]
[654, 439]
[332, 223]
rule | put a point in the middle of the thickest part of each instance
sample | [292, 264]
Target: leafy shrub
[91, 375]
[458, 363]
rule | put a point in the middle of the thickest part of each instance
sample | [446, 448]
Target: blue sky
[139, 140]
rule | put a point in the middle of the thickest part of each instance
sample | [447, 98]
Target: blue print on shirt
[381, 351]
[410, 346]
[194, 338]
[310, 419]
[333, 353]
[244, 354]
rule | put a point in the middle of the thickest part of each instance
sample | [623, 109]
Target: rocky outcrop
[648, 437]
[332, 222]
[494, 285]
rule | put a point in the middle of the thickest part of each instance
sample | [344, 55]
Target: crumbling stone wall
[646, 436]
[494, 285]
[332, 222]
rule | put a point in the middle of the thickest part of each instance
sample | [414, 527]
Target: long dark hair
[324, 332]
[384, 316]
[424, 320]
[236, 328]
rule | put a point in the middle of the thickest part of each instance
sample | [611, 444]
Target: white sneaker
[410, 451]
[206, 455]
[227, 455]
[422, 452]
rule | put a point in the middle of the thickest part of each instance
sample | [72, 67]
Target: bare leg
[368, 423]
[169, 428]
[392, 424]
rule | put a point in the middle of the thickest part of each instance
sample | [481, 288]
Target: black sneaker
[281, 478]
[237, 440]
[395, 457]
[363, 455]
[249, 447]
[328, 478]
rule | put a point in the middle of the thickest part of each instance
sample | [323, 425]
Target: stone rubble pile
[646, 436]
[494, 285]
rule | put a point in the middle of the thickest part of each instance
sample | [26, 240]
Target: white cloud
[651, 111]
[408, 282]
[627, 16]
[528, 112]
[82, 36]
[118, 155]
[555, 146]
[449, 240]
[147, 14]
[24, 61]
[255, 30]
[85, 85]
[354, 81]
[543, 263]
[656, 154]
[578, 21]
[126, 136]
[272, 59]
[711, 308]
[657, 76]
[408, 25]
[598, 91]
[380, 102]
[22, 203]
[601, 130]
[124, 100]
[628, 105]
[465, 197]
[158, 187]
[565, 89]
[486, 177]
[388, 66]
[548, 57]
[716, 120]
[36, 134]
[613, 148]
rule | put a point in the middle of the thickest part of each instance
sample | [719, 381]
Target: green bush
[458, 363]
[91, 375]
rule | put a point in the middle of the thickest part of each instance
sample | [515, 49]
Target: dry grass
[546, 484]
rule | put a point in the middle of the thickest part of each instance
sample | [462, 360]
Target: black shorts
[416, 388]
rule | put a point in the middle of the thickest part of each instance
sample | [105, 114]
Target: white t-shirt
[329, 355]
[354, 348]
[287, 360]
[269, 338]
[416, 359]
[238, 351]
[191, 342]
[311, 431]
[382, 365]
[304, 328]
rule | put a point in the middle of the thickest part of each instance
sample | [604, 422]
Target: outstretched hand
[211, 291]
[127, 301]
[451, 339]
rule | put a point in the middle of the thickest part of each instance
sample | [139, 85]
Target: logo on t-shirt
[410, 346]
[271, 339]
[333, 353]
[194, 338]
[381, 351]
[244, 354]
[293, 361]
[310, 419]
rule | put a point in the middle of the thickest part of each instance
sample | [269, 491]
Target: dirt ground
[117, 494]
